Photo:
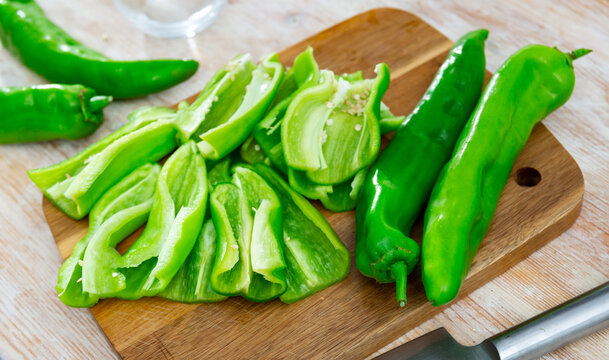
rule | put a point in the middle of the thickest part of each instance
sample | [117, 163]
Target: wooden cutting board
[356, 317]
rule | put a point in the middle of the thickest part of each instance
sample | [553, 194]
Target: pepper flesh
[47, 112]
[229, 106]
[119, 212]
[315, 256]
[532, 83]
[42, 46]
[399, 182]
[247, 216]
[74, 184]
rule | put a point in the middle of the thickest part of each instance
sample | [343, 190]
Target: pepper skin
[42, 46]
[315, 256]
[399, 182]
[532, 83]
[119, 212]
[75, 184]
[47, 112]
[249, 260]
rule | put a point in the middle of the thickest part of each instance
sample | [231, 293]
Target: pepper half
[47, 112]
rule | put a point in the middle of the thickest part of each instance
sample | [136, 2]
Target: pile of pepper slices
[260, 238]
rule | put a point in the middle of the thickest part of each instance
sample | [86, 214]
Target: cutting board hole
[527, 177]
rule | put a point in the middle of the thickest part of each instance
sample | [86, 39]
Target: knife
[548, 331]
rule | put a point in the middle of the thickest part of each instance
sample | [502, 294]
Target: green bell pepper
[175, 220]
[532, 83]
[399, 182]
[229, 106]
[75, 184]
[249, 259]
[315, 256]
[119, 212]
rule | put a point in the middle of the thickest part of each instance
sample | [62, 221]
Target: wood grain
[355, 317]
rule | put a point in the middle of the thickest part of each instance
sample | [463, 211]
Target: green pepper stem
[578, 53]
[99, 102]
[398, 270]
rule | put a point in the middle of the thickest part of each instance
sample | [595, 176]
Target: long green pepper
[47, 112]
[44, 47]
[399, 182]
[531, 84]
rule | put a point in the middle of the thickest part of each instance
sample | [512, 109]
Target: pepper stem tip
[398, 270]
[99, 102]
[575, 54]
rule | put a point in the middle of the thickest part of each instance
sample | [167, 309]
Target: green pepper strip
[247, 216]
[315, 256]
[74, 184]
[47, 112]
[119, 212]
[401, 179]
[229, 106]
[531, 84]
[173, 227]
[42, 46]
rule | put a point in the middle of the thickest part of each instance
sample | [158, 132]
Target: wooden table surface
[35, 324]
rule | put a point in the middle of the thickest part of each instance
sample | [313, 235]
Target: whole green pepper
[75, 184]
[249, 258]
[47, 112]
[44, 47]
[119, 212]
[230, 104]
[532, 83]
[314, 254]
[401, 179]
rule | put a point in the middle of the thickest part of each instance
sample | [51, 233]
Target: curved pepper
[249, 259]
[229, 106]
[175, 221]
[47, 112]
[315, 256]
[75, 184]
[401, 179]
[45, 48]
[331, 130]
[119, 212]
[532, 83]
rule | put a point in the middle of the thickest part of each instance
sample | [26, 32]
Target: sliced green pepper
[331, 130]
[47, 112]
[119, 212]
[249, 259]
[176, 218]
[315, 256]
[532, 83]
[75, 184]
[192, 283]
[229, 106]
[45, 48]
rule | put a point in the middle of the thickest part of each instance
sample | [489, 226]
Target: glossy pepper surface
[47, 112]
[75, 184]
[230, 104]
[531, 84]
[249, 258]
[398, 184]
[119, 212]
[315, 256]
[44, 47]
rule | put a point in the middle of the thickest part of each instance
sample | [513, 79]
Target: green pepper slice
[315, 256]
[229, 106]
[249, 259]
[75, 184]
[119, 212]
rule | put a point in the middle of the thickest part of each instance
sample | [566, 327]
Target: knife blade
[548, 331]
